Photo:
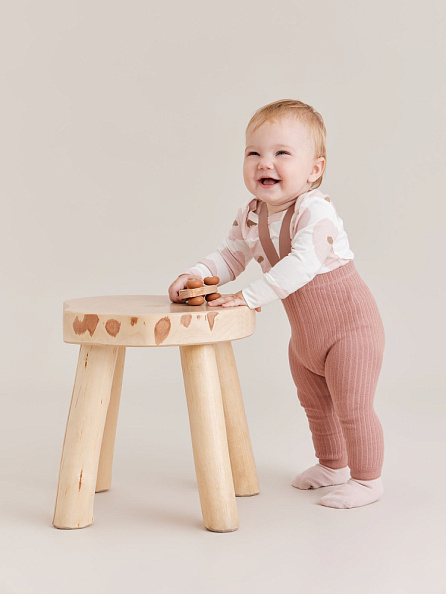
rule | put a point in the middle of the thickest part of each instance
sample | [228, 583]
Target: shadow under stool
[104, 327]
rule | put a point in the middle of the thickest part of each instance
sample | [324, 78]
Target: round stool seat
[152, 320]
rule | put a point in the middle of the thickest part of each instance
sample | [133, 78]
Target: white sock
[354, 494]
[321, 476]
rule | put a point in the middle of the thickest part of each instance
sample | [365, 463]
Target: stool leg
[83, 436]
[103, 482]
[209, 441]
[243, 465]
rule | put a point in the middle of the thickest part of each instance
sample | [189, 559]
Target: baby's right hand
[178, 284]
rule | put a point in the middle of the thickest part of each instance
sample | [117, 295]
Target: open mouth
[268, 181]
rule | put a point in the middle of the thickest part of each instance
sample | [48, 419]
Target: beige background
[122, 137]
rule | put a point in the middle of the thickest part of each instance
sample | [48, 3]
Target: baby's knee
[355, 416]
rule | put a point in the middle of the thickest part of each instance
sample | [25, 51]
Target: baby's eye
[252, 153]
[283, 152]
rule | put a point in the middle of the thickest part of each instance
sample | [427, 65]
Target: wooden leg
[209, 442]
[83, 436]
[243, 465]
[103, 482]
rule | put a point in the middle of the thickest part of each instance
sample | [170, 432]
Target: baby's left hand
[231, 300]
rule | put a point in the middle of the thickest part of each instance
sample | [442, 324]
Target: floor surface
[148, 534]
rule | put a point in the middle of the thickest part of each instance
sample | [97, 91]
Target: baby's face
[282, 151]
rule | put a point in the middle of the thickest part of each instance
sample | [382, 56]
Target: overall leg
[328, 439]
[352, 369]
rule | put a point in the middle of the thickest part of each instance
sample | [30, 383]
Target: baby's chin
[279, 205]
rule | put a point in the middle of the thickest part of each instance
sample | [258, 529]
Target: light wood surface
[243, 465]
[204, 290]
[83, 436]
[209, 441]
[104, 479]
[152, 320]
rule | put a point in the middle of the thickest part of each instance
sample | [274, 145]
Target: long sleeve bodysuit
[319, 244]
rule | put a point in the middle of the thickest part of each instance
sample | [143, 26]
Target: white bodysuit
[319, 244]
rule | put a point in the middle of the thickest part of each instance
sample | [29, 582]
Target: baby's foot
[321, 476]
[354, 494]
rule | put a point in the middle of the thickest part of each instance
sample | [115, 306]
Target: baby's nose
[265, 164]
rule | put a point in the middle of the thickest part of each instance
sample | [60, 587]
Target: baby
[292, 229]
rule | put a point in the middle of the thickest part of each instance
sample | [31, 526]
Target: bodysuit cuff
[259, 293]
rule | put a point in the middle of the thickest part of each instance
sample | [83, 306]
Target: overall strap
[284, 237]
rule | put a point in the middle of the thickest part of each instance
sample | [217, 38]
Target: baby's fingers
[220, 301]
[232, 303]
[225, 301]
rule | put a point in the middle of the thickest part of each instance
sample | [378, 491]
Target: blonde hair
[305, 113]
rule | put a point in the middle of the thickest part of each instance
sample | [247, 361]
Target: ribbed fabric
[335, 354]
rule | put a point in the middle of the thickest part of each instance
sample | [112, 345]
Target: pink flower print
[234, 233]
[303, 218]
[251, 232]
[259, 256]
[331, 261]
[235, 261]
[324, 233]
[210, 264]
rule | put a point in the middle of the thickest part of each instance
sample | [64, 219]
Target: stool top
[152, 320]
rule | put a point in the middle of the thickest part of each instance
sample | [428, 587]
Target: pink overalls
[335, 354]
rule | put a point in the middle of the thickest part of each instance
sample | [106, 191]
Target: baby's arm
[311, 244]
[230, 258]
[227, 261]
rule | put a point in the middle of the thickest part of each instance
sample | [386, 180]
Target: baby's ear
[318, 170]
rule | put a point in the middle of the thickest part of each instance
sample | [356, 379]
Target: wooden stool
[104, 327]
